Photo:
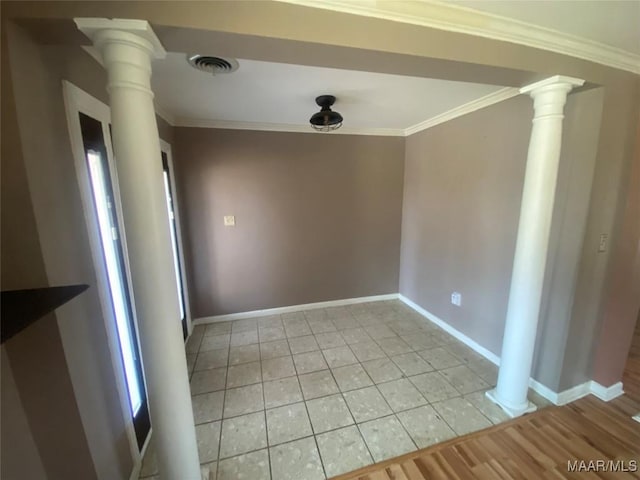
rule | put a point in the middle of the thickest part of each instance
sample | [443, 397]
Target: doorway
[176, 247]
[90, 131]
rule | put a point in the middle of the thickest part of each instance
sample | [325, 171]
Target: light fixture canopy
[326, 119]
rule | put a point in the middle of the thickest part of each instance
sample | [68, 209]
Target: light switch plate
[602, 247]
[229, 221]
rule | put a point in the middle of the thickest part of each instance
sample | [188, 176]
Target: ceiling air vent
[213, 65]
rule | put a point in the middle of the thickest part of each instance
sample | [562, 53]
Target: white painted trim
[561, 398]
[453, 18]
[606, 393]
[77, 100]
[574, 393]
[492, 357]
[543, 391]
[283, 127]
[552, 81]
[137, 466]
[292, 308]
[140, 28]
[482, 102]
[636, 417]
[160, 110]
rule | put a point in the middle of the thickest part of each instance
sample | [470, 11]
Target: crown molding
[482, 102]
[283, 127]
[454, 18]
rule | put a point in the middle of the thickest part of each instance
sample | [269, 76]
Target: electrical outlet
[602, 247]
[456, 298]
[229, 221]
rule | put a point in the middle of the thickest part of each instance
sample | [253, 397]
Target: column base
[527, 407]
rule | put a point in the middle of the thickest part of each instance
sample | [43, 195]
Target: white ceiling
[267, 95]
[612, 22]
[284, 94]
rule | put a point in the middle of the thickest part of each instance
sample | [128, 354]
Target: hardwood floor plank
[536, 446]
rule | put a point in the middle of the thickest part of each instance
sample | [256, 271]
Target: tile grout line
[306, 408]
[224, 400]
[342, 393]
[264, 404]
[347, 404]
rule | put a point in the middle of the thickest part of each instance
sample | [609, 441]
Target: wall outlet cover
[456, 298]
[229, 221]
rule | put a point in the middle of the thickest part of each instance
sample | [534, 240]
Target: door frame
[78, 101]
[165, 147]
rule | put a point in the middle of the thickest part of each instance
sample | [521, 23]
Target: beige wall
[576, 170]
[463, 182]
[317, 217]
[611, 182]
[621, 310]
[274, 31]
[21, 267]
[20, 456]
[62, 366]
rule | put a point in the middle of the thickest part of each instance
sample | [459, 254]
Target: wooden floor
[535, 446]
[631, 377]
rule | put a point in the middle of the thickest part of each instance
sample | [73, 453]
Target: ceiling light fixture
[326, 119]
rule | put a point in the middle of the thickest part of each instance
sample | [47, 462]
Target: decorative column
[549, 97]
[127, 48]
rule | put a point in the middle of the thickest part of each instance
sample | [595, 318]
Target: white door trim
[78, 101]
[166, 148]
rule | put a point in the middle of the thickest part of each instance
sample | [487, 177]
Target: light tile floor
[310, 395]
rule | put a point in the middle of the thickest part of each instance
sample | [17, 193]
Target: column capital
[136, 33]
[557, 82]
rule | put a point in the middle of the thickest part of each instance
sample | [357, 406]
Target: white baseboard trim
[544, 391]
[292, 308]
[492, 357]
[606, 393]
[574, 393]
[557, 398]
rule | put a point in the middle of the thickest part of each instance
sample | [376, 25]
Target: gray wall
[317, 217]
[463, 183]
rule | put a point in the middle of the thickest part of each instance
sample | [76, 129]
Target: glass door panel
[114, 262]
[174, 241]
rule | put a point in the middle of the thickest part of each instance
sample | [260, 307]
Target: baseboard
[293, 308]
[492, 357]
[606, 393]
[574, 393]
[544, 391]
[557, 398]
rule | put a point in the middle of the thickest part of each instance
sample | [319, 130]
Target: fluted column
[127, 48]
[549, 97]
